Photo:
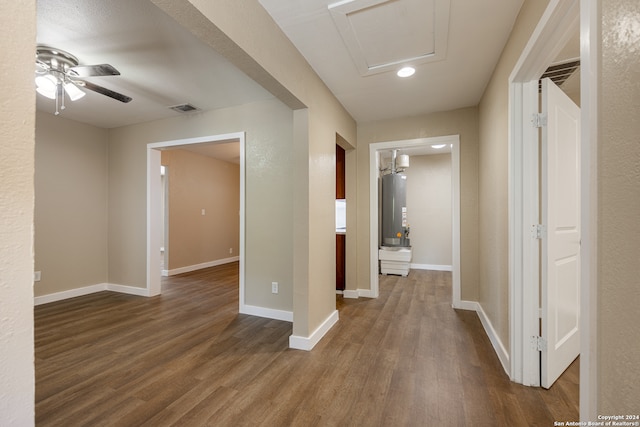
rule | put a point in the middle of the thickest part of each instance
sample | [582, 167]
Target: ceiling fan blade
[107, 92]
[93, 70]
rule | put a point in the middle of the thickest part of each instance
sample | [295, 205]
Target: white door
[561, 245]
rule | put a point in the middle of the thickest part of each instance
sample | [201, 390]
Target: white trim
[269, 313]
[499, 348]
[374, 166]
[71, 293]
[590, 34]
[434, 267]
[466, 305]
[129, 290]
[349, 293]
[557, 24]
[365, 293]
[495, 340]
[154, 221]
[87, 290]
[189, 268]
[307, 343]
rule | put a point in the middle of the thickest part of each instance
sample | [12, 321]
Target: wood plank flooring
[187, 358]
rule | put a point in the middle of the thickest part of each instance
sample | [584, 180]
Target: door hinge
[538, 343]
[538, 231]
[538, 120]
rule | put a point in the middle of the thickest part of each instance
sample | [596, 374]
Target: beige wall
[463, 122]
[245, 34]
[493, 166]
[619, 210]
[17, 136]
[429, 209]
[71, 204]
[197, 182]
[268, 154]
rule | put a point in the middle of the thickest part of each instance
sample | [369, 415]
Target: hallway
[188, 358]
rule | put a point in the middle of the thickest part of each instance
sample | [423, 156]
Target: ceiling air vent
[559, 73]
[183, 108]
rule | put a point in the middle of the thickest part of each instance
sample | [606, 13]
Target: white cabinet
[394, 260]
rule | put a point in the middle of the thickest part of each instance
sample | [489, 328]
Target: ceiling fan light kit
[59, 73]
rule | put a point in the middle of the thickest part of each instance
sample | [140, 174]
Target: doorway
[155, 220]
[558, 24]
[374, 166]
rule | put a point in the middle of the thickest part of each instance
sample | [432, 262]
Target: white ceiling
[161, 63]
[477, 33]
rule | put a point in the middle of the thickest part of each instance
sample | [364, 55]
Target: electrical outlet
[274, 287]
[230, 250]
[37, 276]
[203, 212]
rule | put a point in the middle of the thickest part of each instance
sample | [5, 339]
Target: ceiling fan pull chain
[57, 96]
[61, 86]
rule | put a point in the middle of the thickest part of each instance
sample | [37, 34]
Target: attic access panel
[380, 35]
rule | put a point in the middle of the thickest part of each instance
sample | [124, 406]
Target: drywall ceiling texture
[475, 36]
[160, 62]
[17, 124]
[619, 208]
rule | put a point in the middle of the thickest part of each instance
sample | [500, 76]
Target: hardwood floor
[188, 358]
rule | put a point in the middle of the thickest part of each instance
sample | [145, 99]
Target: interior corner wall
[493, 177]
[269, 194]
[70, 204]
[17, 124]
[246, 35]
[203, 209]
[618, 195]
[463, 122]
[429, 209]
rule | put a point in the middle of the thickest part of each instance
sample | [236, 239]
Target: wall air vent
[559, 73]
[183, 108]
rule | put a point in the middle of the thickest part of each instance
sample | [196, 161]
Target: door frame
[559, 20]
[374, 167]
[154, 212]
[558, 23]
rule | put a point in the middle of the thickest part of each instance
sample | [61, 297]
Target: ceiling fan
[58, 72]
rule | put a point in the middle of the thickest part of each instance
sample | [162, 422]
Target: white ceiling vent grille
[183, 108]
[381, 35]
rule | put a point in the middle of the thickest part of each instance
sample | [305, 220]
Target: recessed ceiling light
[438, 146]
[406, 72]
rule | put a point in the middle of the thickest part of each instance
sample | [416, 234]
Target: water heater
[395, 228]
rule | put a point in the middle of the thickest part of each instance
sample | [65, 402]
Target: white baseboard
[499, 348]
[71, 293]
[307, 343]
[269, 313]
[131, 290]
[366, 293]
[92, 289]
[434, 267]
[467, 305]
[349, 293]
[195, 267]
